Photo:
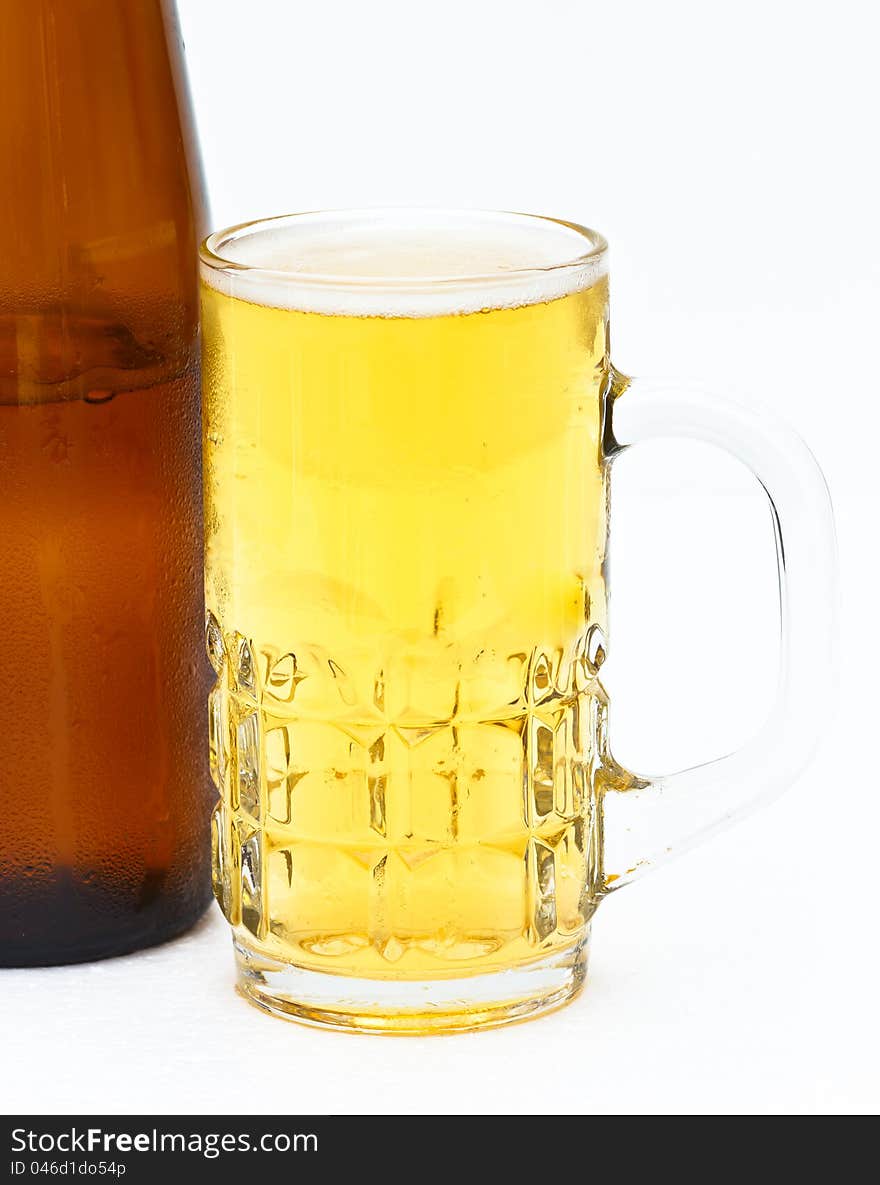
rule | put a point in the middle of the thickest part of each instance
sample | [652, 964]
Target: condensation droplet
[245, 675]
[214, 642]
[596, 649]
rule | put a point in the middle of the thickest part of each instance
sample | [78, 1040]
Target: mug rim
[572, 271]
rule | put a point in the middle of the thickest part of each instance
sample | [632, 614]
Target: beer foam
[402, 263]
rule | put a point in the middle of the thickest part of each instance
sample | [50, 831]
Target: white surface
[728, 154]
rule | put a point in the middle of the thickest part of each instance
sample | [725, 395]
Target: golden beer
[405, 535]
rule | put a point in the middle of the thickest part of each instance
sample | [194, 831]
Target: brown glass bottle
[104, 789]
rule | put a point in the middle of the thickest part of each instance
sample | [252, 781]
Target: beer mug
[409, 422]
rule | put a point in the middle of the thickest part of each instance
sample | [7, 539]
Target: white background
[729, 154]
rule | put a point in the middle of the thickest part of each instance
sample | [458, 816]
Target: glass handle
[650, 819]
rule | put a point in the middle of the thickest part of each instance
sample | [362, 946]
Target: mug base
[411, 1007]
